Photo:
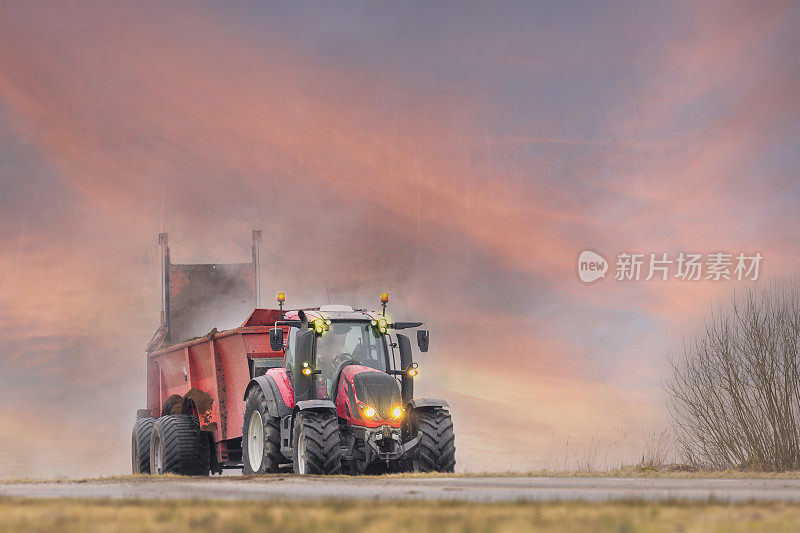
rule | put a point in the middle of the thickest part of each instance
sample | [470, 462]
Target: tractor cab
[323, 342]
[341, 354]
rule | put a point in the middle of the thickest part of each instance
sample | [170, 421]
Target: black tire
[140, 445]
[437, 446]
[271, 458]
[357, 465]
[178, 446]
[320, 433]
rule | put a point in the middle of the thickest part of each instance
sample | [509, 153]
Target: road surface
[488, 489]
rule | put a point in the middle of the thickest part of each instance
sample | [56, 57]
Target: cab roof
[334, 312]
[267, 317]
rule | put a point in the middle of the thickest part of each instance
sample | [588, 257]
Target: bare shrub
[735, 395]
[656, 451]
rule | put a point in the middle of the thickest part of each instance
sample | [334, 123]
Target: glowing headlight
[397, 412]
[371, 412]
[319, 325]
[412, 372]
[307, 370]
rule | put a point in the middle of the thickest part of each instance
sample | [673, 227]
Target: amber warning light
[281, 299]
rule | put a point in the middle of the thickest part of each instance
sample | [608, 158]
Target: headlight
[319, 325]
[397, 413]
[371, 412]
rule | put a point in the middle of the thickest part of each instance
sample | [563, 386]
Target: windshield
[353, 341]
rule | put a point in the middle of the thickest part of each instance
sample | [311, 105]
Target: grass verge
[368, 515]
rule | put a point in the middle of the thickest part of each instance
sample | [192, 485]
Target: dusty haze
[458, 156]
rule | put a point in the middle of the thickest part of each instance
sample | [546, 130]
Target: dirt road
[445, 488]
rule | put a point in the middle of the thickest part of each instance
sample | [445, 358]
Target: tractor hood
[361, 386]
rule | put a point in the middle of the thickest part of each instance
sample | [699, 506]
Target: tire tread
[437, 449]
[186, 447]
[270, 464]
[323, 445]
[140, 445]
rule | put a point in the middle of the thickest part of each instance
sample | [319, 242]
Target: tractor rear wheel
[261, 436]
[316, 443]
[178, 446]
[437, 449]
[140, 445]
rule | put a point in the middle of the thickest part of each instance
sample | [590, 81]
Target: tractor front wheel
[178, 446]
[316, 443]
[437, 448]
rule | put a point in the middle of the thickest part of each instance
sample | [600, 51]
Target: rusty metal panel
[233, 376]
[173, 376]
[262, 317]
[257, 345]
[153, 387]
[203, 383]
[222, 392]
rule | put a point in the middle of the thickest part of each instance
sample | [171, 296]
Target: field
[420, 517]
[202, 512]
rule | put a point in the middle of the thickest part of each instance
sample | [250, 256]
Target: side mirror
[423, 337]
[276, 339]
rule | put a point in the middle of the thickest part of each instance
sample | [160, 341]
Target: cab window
[290, 350]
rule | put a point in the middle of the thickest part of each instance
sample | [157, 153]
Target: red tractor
[320, 390]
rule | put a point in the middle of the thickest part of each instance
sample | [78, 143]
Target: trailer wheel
[437, 449]
[316, 446]
[140, 445]
[261, 436]
[179, 447]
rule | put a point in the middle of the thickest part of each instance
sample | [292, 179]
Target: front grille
[379, 390]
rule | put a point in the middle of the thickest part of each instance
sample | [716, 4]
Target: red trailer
[317, 390]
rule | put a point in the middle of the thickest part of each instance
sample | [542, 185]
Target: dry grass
[420, 517]
[668, 472]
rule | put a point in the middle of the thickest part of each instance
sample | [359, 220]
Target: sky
[458, 155]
